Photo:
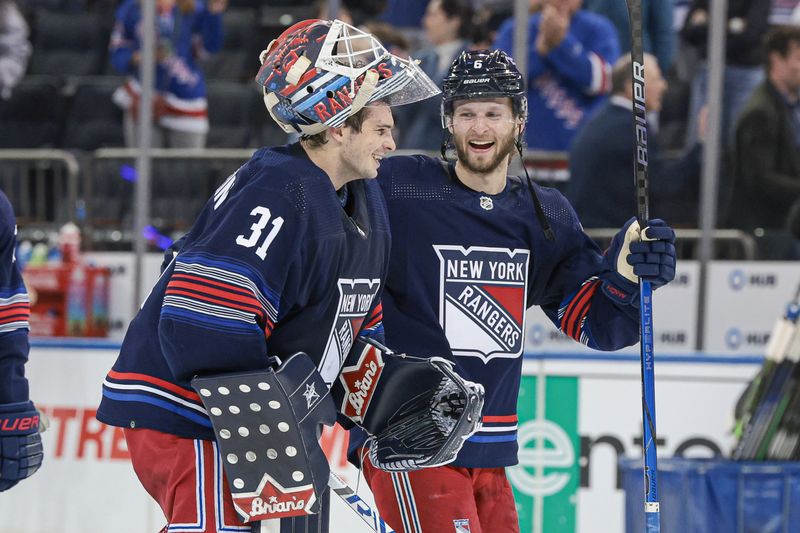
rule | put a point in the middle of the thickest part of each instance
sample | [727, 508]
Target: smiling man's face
[484, 131]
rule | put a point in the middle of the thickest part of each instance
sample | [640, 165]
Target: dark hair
[462, 10]
[353, 121]
[778, 40]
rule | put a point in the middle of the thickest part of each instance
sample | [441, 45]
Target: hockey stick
[358, 505]
[779, 340]
[771, 406]
[782, 444]
[783, 399]
[651, 506]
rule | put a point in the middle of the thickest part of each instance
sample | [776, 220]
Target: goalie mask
[483, 74]
[318, 73]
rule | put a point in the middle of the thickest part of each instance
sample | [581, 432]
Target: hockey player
[472, 249]
[222, 383]
[20, 443]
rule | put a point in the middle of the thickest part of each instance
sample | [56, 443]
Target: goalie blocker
[267, 425]
[417, 411]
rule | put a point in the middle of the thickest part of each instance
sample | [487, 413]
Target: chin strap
[540, 216]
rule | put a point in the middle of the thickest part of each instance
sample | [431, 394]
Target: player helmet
[483, 74]
[319, 72]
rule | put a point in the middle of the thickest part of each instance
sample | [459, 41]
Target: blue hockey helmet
[484, 74]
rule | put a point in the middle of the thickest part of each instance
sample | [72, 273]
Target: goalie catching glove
[418, 411]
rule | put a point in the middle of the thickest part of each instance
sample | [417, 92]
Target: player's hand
[632, 255]
[20, 443]
[552, 29]
[650, 256]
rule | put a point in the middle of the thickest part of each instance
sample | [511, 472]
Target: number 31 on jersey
[264, 215]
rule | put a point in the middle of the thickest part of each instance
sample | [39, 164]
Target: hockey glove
[633, 256]
[20, 443]
[418, 411]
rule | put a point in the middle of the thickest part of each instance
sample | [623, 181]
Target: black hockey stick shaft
[779, 340]
[781, 445]
[651, 504]
[780, 411]
[771, 405]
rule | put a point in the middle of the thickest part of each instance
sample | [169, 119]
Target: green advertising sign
[545, 481]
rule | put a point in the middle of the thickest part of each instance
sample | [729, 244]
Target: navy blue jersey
[273, 265]
[465, 267]
[14, 313]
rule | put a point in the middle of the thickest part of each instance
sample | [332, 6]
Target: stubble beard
[505, 147]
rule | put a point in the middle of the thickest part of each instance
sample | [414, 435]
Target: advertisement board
[578, 414]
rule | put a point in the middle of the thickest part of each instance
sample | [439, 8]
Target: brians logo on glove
[359, 382]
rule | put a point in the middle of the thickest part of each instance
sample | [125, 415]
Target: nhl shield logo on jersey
[356, 297]
[482, 303]
[360, 381]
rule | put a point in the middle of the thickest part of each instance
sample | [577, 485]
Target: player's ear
[336, 134]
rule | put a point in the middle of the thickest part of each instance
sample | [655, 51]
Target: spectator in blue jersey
[285, 263]
[448, 28]
[472, 250]
[660, 38]
[20, 443]
[570, 53]
[404, 13]
[186, 30]
[600, 187]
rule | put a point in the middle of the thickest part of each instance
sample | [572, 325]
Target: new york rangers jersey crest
[483, 299]
[356, 297]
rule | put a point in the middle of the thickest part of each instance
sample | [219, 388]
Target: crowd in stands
[69, 79]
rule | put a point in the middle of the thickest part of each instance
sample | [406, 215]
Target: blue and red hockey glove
[632, 256]
[20, 443]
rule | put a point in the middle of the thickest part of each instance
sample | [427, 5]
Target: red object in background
[71, 300]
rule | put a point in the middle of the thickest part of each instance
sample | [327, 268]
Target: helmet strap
[365, 91]
[537, 205]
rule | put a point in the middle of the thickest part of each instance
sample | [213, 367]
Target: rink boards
[578, 412]
[588, 413]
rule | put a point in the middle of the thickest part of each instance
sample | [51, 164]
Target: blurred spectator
[658, 35]
[570, 53]
[321, 11]
[186, 30]
[783, 12]
[767, 150]
[392, 38]
[404, 13]
[601, 185]
[353, 12]
[746, 23]
[15, 49]
[448, 27]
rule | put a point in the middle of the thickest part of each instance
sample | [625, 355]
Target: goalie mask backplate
[266, 425]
